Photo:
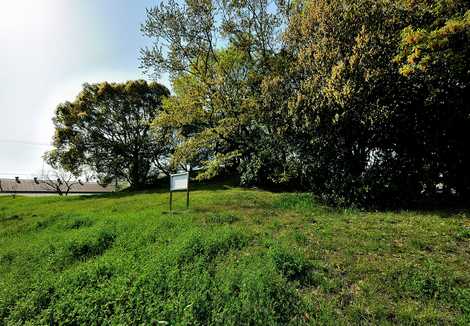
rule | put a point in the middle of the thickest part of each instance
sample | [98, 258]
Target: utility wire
[16, 173]
[13, 141]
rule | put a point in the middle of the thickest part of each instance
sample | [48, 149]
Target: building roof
[40, 186]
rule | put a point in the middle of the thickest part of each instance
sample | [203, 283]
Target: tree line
[360, 102]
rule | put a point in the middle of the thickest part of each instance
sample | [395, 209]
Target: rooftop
[40, 186]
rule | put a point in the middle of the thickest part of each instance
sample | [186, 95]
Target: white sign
[179, 181]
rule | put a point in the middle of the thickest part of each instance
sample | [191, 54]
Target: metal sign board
[179, 181]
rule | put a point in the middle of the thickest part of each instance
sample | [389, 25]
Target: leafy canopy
[217, 54]
[107, 129]
[362, 102]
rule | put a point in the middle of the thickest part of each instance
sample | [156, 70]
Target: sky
[49, 48]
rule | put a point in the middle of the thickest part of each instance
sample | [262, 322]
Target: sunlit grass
[235, 257]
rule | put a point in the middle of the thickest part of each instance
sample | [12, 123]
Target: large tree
[434, 55]
[379, 108]
[107, 130]
[217, 53]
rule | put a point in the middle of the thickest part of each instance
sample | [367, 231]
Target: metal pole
[171, 200]
[188, 167]
[187, 197]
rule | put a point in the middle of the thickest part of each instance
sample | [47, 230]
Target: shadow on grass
[163, 188]
[442, 206]
[307, 202]
[445, 212]
[295, 199]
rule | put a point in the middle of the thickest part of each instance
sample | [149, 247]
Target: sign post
[187, 197]
[179, 182]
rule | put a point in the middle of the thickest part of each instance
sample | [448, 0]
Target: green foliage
[372, 127]
[463, 234]
[364, 103]
[216, 109]
[428, 282]
[107, 130]
[206, 247]
[251, 291]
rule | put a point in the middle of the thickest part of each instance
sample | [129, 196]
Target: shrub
[359, 145]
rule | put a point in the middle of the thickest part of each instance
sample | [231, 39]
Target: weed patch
[7, 258]
[222, 219]
[82, 247]
[10, 218]
[206, 246]
[41, 225]
[426, 282]
[299, 201]
[31, 306]
[290, 263]
[92, 275]
[463, 234]
[252, 291]
[75, 223]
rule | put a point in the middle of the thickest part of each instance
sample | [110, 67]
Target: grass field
[235, 257]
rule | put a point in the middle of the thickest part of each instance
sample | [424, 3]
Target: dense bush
[381, 105]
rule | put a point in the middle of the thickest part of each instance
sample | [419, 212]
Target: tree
[59, 180]
[364, 102]
[107, 130]
[216, 109]
[370, 126]
[435, 57]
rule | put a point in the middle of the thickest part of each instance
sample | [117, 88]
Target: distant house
[37, 186]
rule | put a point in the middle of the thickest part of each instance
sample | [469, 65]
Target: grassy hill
[235, 257]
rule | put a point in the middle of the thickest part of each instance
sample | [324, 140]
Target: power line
[16, 173]
[13, 141]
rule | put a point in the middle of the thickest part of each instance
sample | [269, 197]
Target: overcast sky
[49, 48]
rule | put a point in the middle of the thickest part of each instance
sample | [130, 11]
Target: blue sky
[49, 48]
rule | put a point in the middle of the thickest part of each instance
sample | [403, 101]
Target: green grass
[235, 257]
